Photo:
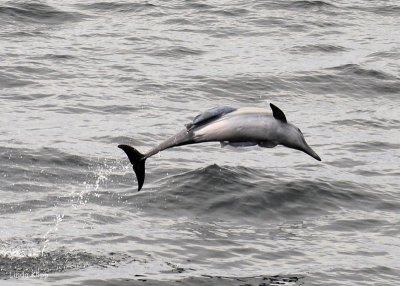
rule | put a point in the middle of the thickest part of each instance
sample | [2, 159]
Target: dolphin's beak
[307, 149]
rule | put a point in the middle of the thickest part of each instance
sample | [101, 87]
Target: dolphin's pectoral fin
[237, 144]
[209, 115]
[267, 144]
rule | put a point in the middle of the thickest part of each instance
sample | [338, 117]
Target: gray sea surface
[77, 78]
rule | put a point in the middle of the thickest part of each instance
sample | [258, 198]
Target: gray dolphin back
[209, 115]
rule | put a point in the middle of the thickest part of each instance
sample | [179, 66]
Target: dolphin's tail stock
[137, 160]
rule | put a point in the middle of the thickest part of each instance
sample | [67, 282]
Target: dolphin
[236, 127]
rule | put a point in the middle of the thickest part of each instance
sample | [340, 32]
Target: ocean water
[77, 78]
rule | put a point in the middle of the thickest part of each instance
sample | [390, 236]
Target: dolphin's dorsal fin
[277, 113]
[209, 115]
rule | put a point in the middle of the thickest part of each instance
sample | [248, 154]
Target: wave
[37, 13]
[382, 10]
[243, 193]
[42, 170]
[46, 156]
[393, 55]
[349, 79]
[12, 80]
[357, 70]
[388, 10]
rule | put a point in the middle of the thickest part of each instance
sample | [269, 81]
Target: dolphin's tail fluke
[137, 160]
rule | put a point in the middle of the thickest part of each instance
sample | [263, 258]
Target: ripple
[240, 86]
[310, 4]
[289, 280]
[24, 206]
[177, 52]
[60, 260]
[352, 225]
[320, 48]
[371, 146]
[117, 6]
[370, 123]
[81, 108]
[230, 12]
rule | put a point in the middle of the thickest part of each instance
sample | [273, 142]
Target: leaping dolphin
[230, 126]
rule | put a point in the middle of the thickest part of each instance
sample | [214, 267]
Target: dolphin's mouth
[307, 149]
